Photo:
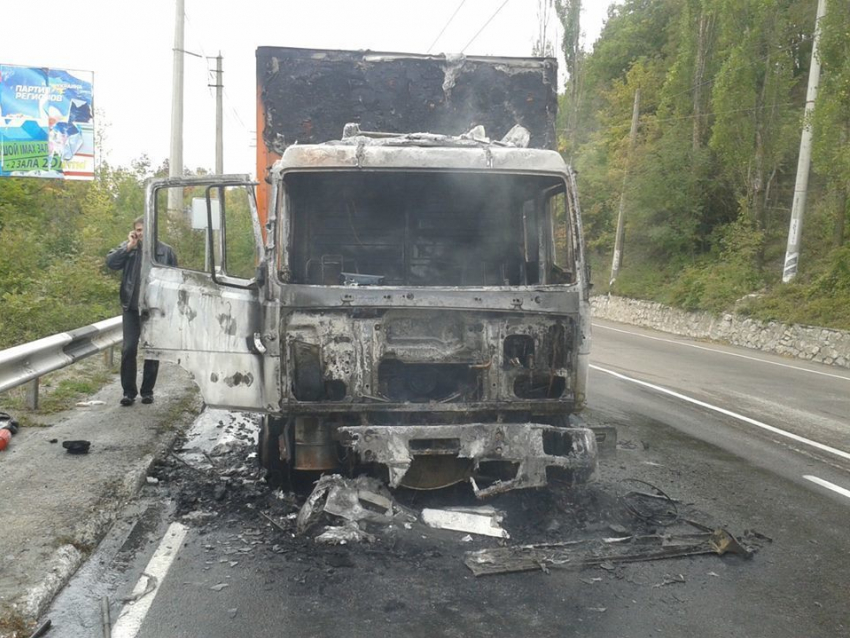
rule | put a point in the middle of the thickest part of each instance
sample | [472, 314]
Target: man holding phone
[128, 257]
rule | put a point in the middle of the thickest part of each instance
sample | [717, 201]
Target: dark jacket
[131, 262]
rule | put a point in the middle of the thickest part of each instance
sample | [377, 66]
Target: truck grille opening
[539, 385]
[424, 382]
[491, 471]
[519, 351]
[557, 443]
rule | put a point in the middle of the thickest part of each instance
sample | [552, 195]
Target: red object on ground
[5, 437]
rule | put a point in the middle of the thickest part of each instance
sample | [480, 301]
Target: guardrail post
[32, 394]
[109, 357]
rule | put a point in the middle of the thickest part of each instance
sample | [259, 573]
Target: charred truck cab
[411, 302]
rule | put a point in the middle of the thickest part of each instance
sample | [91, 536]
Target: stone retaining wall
[822, 345]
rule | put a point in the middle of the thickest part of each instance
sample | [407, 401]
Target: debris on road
[7, 422]
[723, 542]
[671, 580]
[648, 502]
[77, 446]
[90, 404]
[106, 621]
[360, 499]
[219, 587]
[483, 520]
[273, 522]
[342, 534]
[151, 583]
[359, 522]
[42, 629]
[605, 553]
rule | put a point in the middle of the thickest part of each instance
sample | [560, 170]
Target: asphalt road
[742, 440]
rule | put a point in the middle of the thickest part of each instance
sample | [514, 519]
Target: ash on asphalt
[223, 489]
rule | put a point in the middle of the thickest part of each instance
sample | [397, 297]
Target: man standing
[128, 257]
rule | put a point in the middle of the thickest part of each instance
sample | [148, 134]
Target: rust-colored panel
[265, 159]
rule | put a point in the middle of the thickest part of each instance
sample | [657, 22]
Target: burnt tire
[268, 451]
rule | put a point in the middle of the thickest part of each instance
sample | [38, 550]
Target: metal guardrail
[28, 362]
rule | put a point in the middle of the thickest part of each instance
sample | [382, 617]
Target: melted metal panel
[524, 444]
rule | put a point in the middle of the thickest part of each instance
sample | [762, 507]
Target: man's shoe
[148, 398]
[125, 401]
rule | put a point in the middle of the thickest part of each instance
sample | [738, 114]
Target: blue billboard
[46, 123]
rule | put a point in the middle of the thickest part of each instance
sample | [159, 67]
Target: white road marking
[731, 354]
[827, 485]
[734, 415]
[133, 615]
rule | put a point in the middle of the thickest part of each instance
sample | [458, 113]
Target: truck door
[205, 312]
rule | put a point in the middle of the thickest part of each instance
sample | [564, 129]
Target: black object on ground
[42, 629]
[77, 447]
[578, 554]
[8, 422]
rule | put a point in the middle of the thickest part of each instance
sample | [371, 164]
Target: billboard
[46, 123]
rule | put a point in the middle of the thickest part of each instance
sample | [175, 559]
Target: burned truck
[404, 290]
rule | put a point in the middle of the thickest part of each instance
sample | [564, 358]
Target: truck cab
[413, 304]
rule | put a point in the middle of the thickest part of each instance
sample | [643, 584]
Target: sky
[129, 45]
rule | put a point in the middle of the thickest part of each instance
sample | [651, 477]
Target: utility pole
[618, 240]
[175, 162]
[219, 121]
[795, 230]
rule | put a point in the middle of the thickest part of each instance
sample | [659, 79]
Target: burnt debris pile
[601, 525]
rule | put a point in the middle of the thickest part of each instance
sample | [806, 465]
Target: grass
[820, 296]
[13, 625]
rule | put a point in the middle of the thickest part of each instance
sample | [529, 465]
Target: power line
[502, 6]
[196, 37]
[446, 26]
[233, 109]
[230, 103]
[718, 114]
[714, 79]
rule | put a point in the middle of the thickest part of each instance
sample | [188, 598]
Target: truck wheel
[268, 451]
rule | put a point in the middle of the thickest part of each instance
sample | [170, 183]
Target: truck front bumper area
[525, 454]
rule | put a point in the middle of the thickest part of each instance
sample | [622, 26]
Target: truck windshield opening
[427, 229]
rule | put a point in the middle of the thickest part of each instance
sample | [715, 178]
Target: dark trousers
[129, 351]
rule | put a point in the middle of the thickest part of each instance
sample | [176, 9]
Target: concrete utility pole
[795, 231]
[618, 240]
[219, 121]
[175, 162]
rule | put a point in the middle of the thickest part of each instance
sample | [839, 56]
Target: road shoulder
[56, 506]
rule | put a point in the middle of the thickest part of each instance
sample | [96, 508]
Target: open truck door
[206, 312]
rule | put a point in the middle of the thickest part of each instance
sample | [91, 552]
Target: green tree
[831, 122]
